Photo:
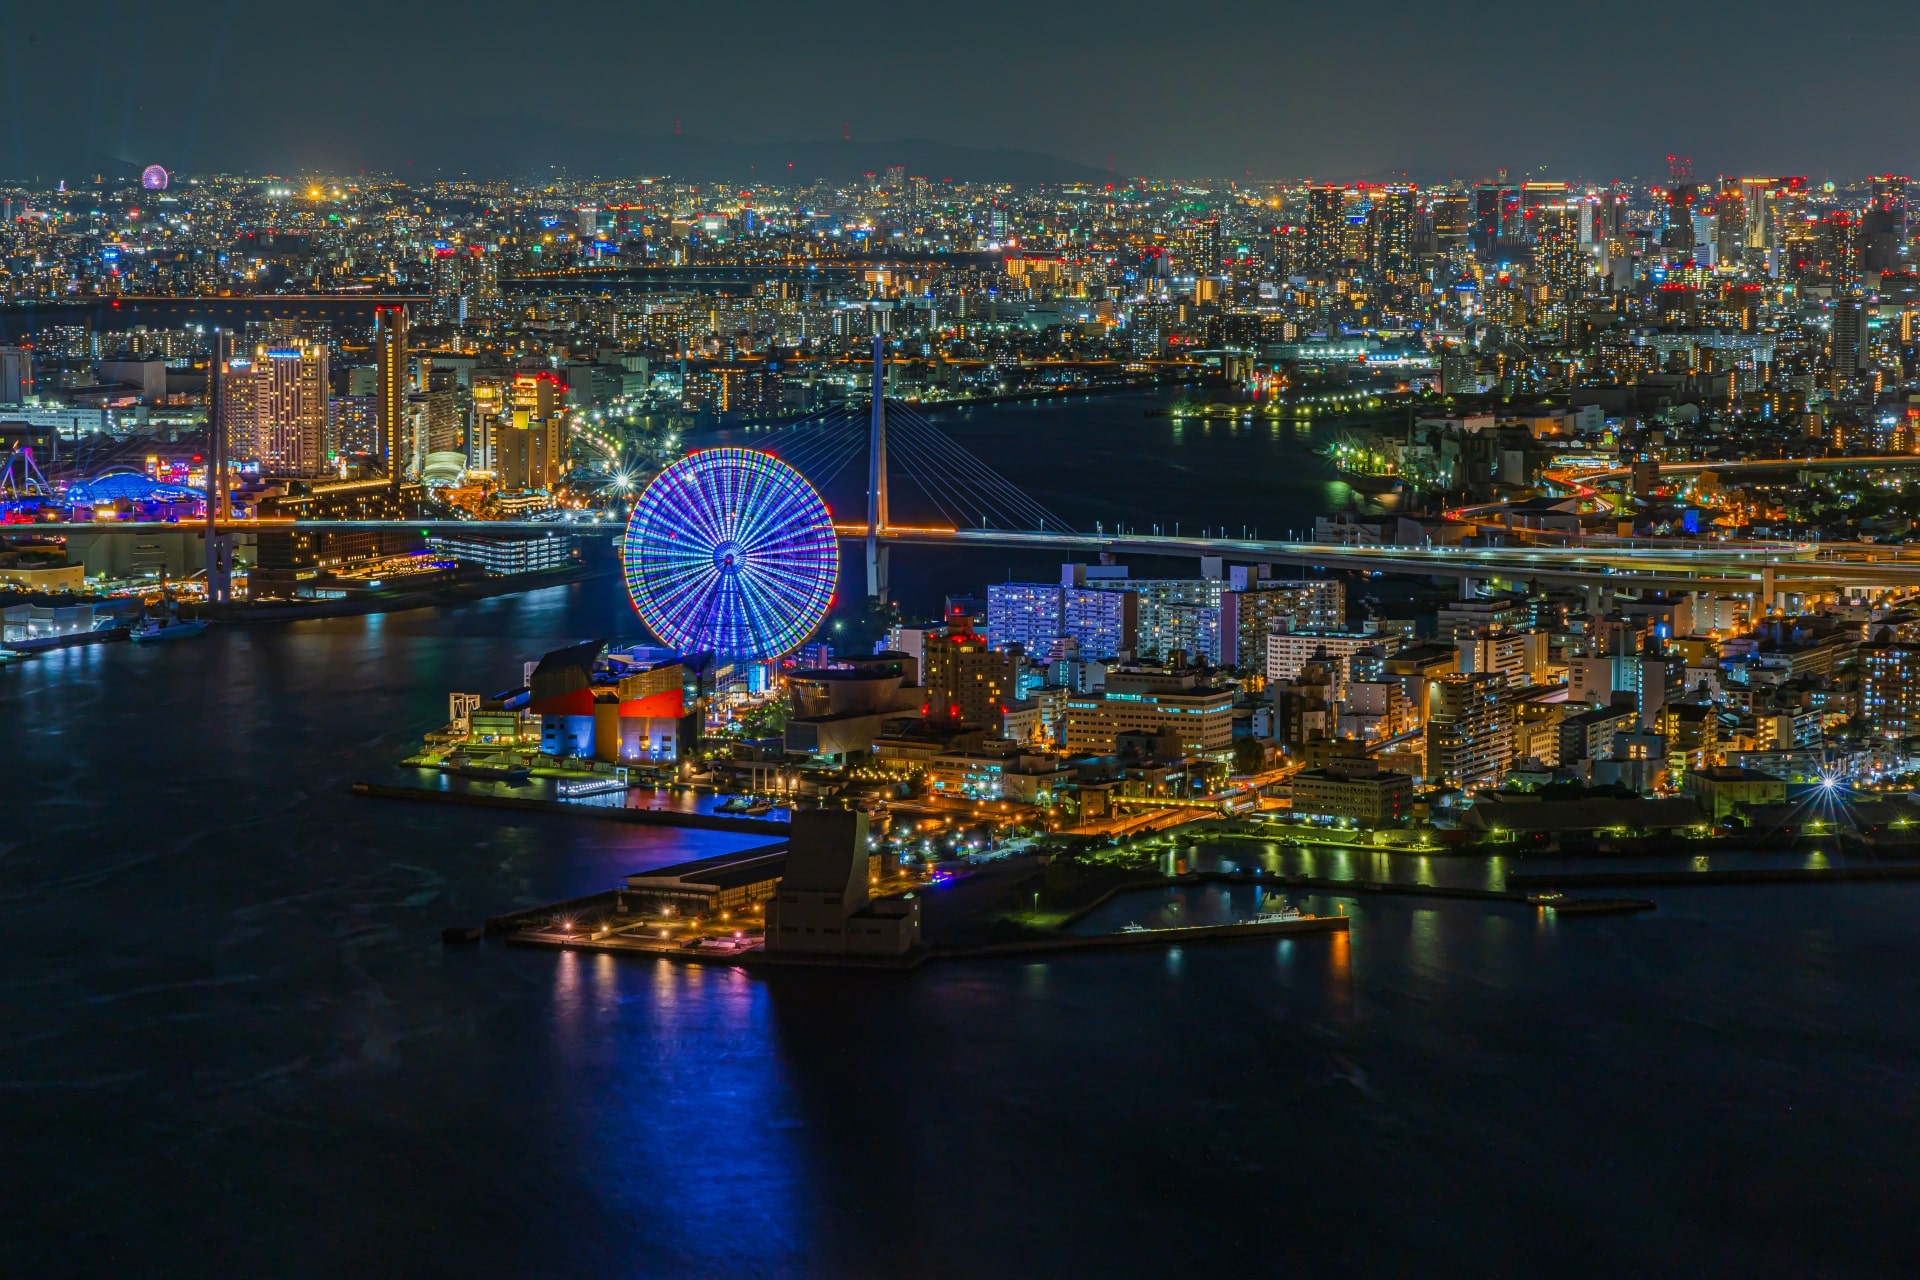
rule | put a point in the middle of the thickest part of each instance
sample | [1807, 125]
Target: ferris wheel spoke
[790, 586]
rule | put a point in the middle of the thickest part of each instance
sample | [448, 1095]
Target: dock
[561, 808]
[1517, 895]
[752, 954]
[1722, 876]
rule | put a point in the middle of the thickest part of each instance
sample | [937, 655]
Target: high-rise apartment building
[1394, 211]
[237, 405]
[1023, 613]
[1256, 607]
[291, 386]
[1326, 229]
[1289, 652]
[1890, 695]
[1847, 341]
[394, 384]
[1469, 731]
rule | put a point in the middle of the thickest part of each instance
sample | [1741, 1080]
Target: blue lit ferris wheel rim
[732, 552]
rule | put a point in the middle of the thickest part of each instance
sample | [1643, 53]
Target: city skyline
[1251, 90]
[800, 641]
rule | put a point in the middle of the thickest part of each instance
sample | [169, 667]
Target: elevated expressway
[1756, 569]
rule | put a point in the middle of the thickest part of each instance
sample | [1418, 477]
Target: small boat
[166, 629]
[1282, 914]
[1131, 927]
[11, 655]
[738, 804]
[590, 787]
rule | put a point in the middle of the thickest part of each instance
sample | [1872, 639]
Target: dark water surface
[232, 1044]
[1100, 461]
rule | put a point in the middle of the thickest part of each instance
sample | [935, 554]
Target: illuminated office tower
[1680, 198]
[489, 408]
[1611, 218]
[1837, 238]
[444, 283]
[1883, 226]
[1452, 222]
[1732, 224]
[1756, 196]
[1357, 227]
[291, 383]
[1535, 199]
[1496, 215]
[390, 353]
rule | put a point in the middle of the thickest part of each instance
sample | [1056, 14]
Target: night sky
[1280, 88]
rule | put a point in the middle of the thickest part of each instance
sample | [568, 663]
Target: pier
[1723, 876]
[561, 808]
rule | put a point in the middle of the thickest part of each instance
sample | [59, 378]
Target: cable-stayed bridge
[953, 499]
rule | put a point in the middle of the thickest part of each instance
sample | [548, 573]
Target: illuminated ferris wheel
[731, 552]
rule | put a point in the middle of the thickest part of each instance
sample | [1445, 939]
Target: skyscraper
[236, 409]
[1452, 222]
[1846, 341]
[390, 351]
[1393, 212]
[1496, 215]
[1326, 229]
[292, 395]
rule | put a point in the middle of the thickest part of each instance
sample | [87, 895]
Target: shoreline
[933, 408]
[560, 808]
[460, 593]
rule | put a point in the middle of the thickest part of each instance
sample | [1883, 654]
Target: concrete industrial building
[821, 904]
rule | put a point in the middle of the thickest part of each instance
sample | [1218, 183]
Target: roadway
[1745, 568]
